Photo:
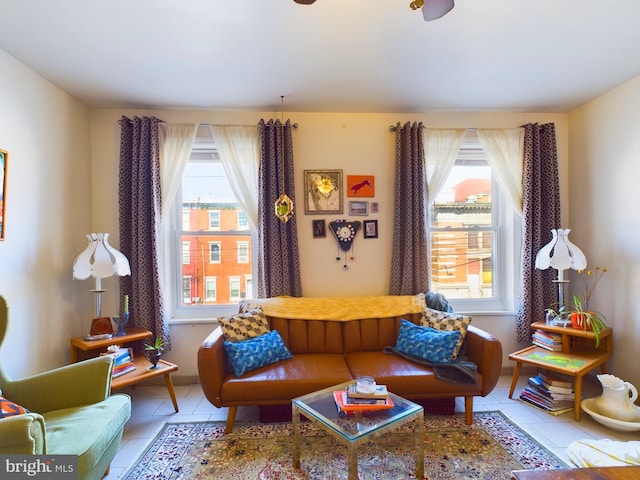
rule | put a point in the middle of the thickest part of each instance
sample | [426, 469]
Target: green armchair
[71, 412]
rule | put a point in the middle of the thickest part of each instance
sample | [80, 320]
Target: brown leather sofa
[328, 352]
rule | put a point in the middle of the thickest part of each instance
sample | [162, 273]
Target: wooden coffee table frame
[404, 412]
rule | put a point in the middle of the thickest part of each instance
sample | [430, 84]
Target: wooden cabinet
[578, 357]
[82, 349]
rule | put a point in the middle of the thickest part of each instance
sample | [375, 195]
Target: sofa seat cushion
[405, 378]
[303, 373]
[86, 431]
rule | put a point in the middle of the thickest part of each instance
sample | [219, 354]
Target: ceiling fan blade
[434, 9]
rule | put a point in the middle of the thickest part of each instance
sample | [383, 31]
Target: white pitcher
[617, 399]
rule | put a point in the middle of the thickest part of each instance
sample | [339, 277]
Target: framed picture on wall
[358, 208]
[360, 186]
[319, 229]
[4, 156]
[322, 191]
[370, 229]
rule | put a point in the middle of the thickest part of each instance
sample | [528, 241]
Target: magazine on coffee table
[352, 405]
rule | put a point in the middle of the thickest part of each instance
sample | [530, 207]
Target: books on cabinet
[547, 340]
[122, 361]
[558, 398]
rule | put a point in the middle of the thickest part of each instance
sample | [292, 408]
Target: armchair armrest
[212, 366]
[73, 385]
[485, 351]
[23, 434]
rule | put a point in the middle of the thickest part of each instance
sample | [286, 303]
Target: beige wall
[355, 143]
[46, 133]
[605, 215]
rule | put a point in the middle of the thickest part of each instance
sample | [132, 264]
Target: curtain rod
[393, 128]
[294, 125]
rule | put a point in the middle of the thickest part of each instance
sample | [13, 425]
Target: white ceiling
[334, 55]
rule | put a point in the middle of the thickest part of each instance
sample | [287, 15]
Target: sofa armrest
[212, 366]
[23, 434]
[81, 383]
[485, 351]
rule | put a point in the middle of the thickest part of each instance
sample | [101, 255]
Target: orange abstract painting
[360, 186]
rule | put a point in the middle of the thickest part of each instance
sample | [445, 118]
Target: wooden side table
[82, 349]
[578, 356]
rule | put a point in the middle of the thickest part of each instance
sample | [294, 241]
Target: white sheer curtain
[240, 155]
[505, 150]
[176, 142]
[440, 151]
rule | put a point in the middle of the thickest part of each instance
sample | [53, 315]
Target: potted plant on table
[154, 351]
[584, 319]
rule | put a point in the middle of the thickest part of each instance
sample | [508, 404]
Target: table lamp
[100, 260]
[561, 254]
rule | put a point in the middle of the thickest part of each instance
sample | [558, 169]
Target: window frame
[203, 150]
[506, 230]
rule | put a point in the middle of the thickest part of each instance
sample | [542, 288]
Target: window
[470, 231]
[243, 223]
[214, 252]
[234, 288]
[210, 289]
[213, 262]
[243, 252]
[186, 253]
[214, 220]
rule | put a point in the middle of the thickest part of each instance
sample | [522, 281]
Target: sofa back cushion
[310, 336]
[373, 334]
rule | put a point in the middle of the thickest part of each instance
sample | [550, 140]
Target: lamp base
[101, 326]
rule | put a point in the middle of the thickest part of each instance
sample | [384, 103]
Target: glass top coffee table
[355, 429]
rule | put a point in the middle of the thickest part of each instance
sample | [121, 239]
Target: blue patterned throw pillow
[257, 352]
[435, 346]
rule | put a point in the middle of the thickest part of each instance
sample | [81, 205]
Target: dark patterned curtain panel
[540, 214]
[140, 203]
[409, 263]
[278, 256]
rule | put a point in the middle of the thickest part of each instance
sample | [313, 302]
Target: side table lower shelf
[575, 364]
[142, 373]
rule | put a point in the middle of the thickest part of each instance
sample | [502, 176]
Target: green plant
[587, 319]
[581, 318]
[158, 344]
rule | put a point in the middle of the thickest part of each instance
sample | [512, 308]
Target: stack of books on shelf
[550, 341]
[123, 361]
[549, 394]
[350, 400]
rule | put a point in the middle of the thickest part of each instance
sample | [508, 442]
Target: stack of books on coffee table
[350, 400]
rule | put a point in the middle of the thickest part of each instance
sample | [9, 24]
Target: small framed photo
[361, 186]
[370, 229]
[319, 229]
[359, 208]
[374, 207]
[322, 192]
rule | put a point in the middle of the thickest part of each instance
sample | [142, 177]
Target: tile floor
[152, 407]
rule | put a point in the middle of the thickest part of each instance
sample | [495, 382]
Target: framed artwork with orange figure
[360, 186]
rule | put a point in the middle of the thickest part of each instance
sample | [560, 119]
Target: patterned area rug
[489, 449]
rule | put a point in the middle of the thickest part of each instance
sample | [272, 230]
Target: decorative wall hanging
[319, 229]
[360, 186]
[4, 156]
[284, 208]
[370, 229]
[374, 207]
[345, 233]
[359, 208]
[322, 191]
